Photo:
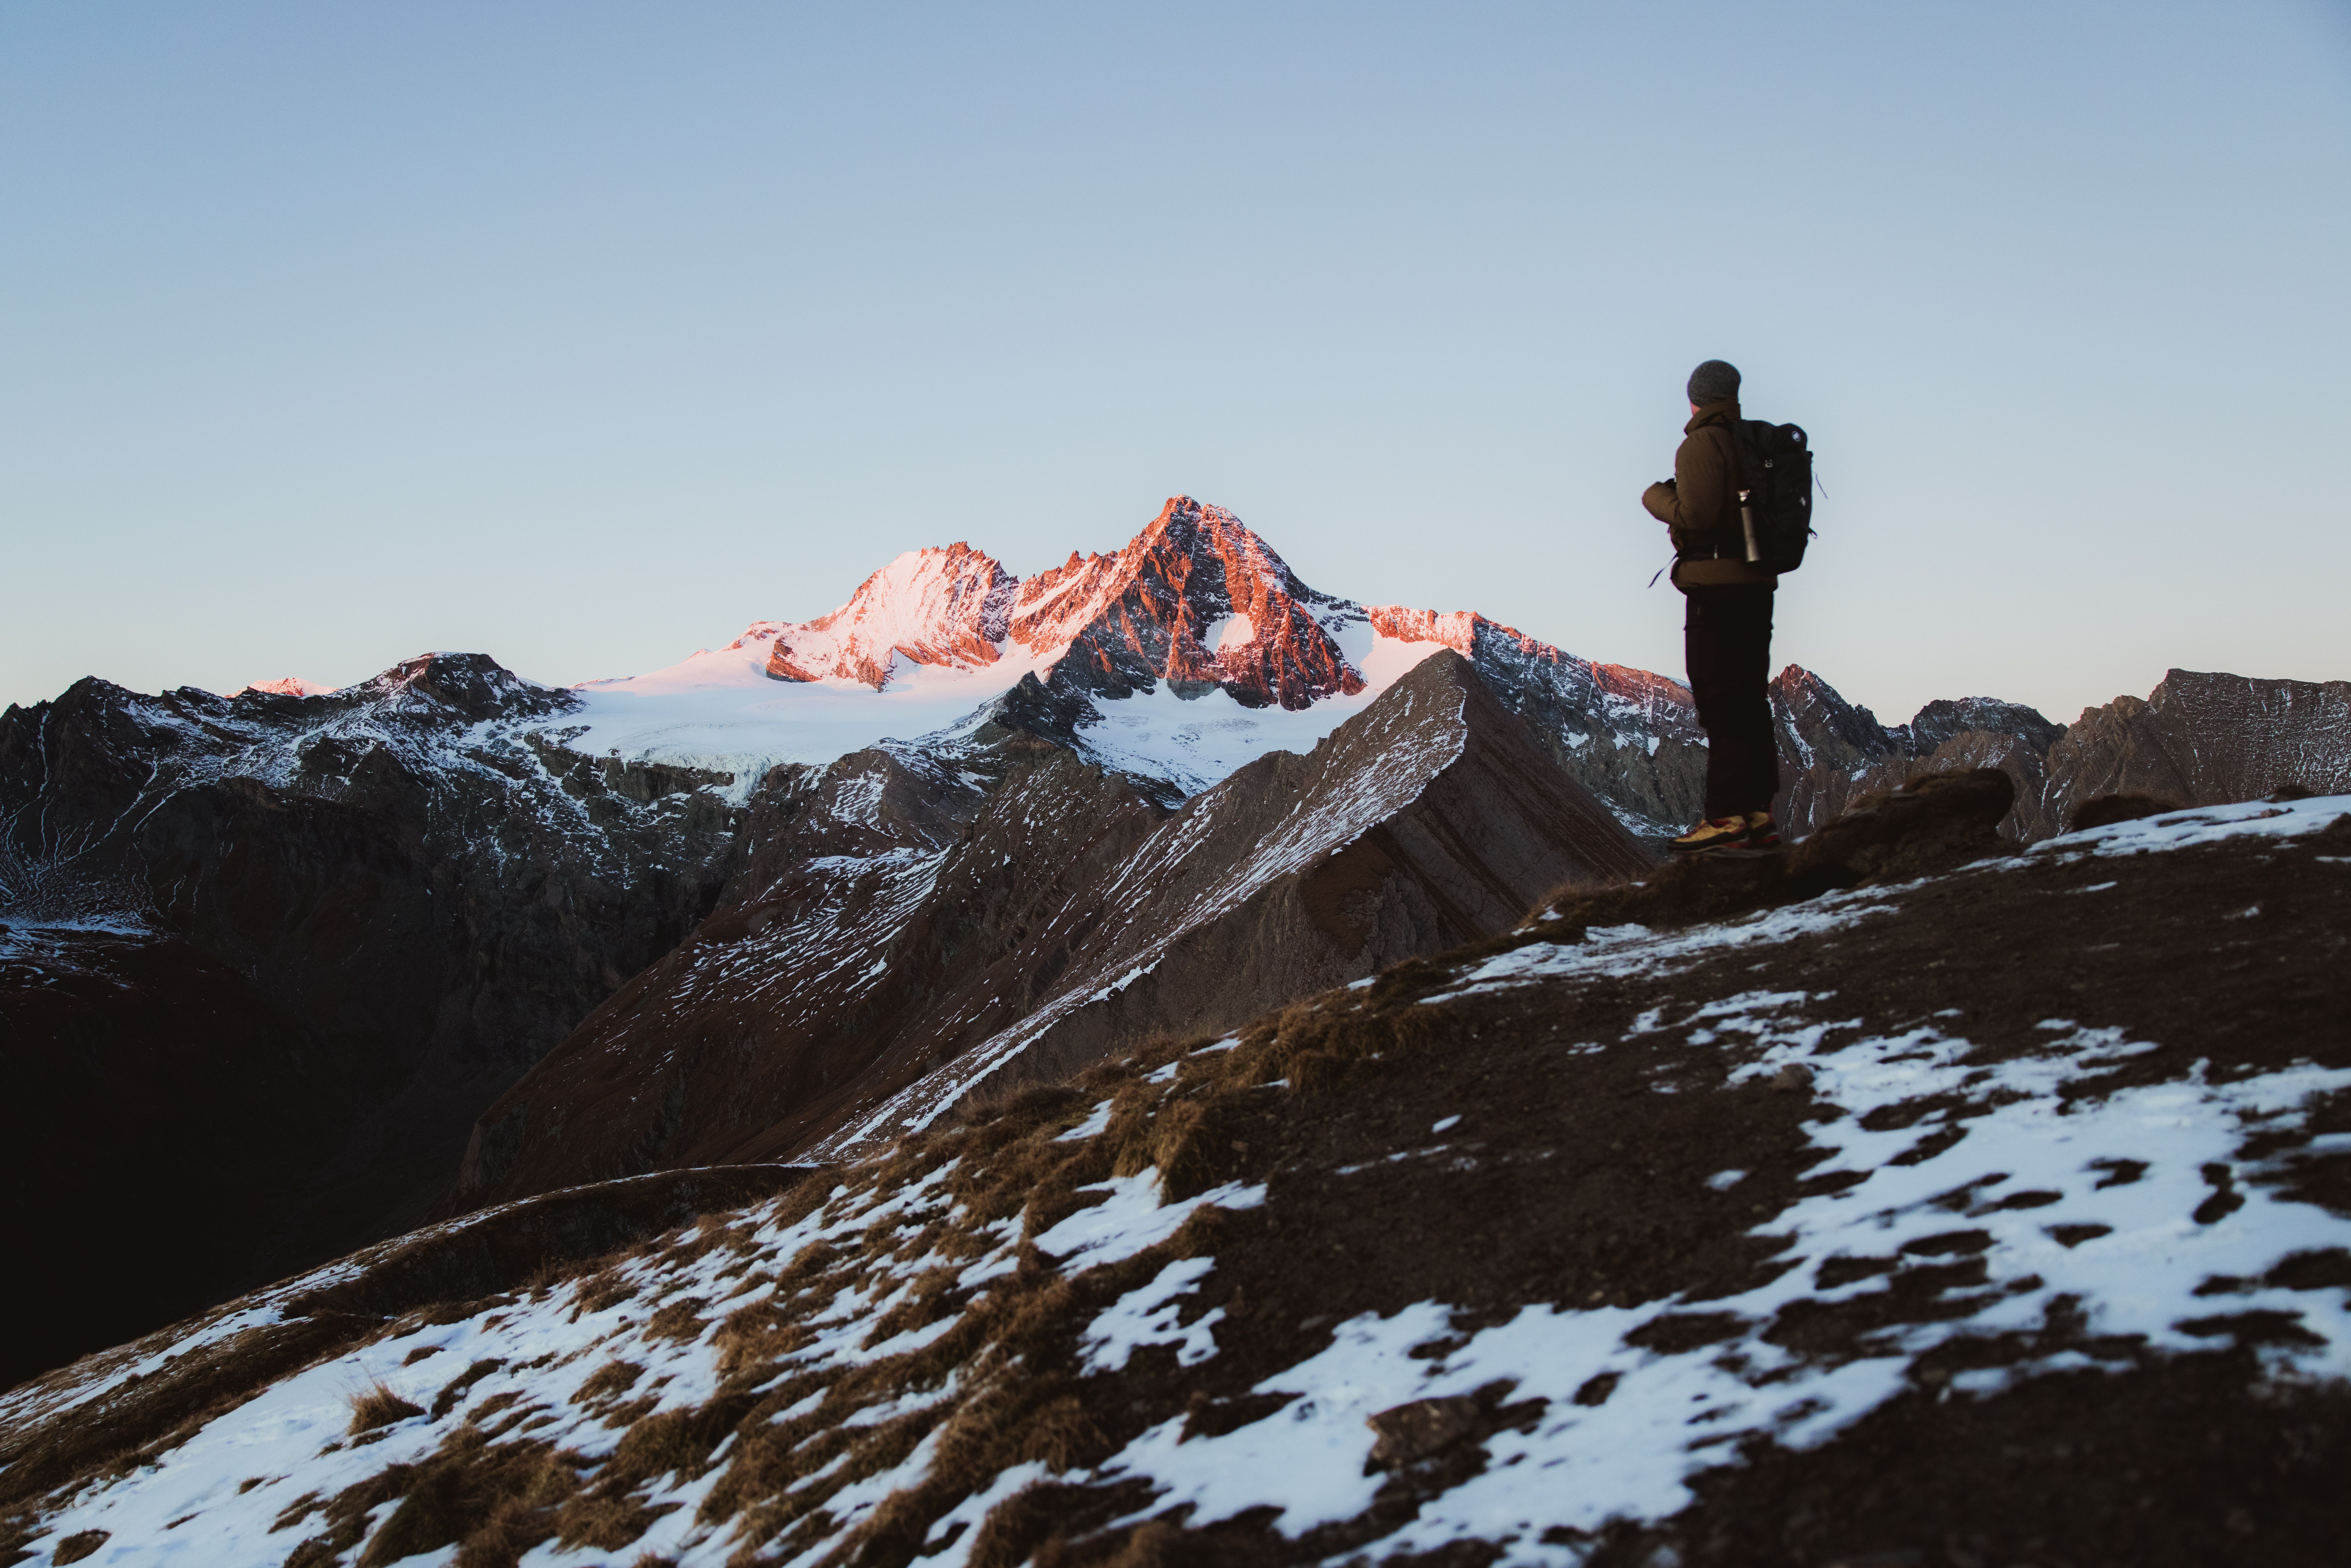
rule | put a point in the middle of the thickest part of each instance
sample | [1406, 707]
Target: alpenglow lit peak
[1190, 651]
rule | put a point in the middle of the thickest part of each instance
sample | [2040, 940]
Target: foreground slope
[1994, 1216]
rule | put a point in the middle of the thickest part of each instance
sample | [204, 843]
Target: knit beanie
[1714, 381]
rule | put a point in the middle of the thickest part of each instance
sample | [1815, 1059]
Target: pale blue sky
[583, 334]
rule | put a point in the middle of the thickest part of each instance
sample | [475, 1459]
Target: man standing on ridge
[1726, 632]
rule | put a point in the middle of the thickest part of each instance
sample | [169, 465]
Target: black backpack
[1776, 477]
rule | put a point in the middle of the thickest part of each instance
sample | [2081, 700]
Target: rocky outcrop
[950, 937]
[1946, 719]
[1834, 754]
[2201, 739]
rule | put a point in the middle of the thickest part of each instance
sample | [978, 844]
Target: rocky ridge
[271, 956]
[954, 938]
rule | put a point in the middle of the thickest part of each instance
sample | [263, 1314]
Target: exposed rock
[1629, 736]
[1933, 824]
[1834, 754]
[1408, 1434]
[1938, 822]
[1196, 599]
[1939, 721]
[2202, 739]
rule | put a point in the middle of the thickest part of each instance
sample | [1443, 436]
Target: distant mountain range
[285, 972]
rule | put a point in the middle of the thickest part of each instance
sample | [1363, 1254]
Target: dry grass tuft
[1024, 1103]
[609, 1381]
[79, 1545]
[376, 1405]
[553, 1272]
[680, 1320]
[608, 1289]
[1063, 1436]
[494, 1502]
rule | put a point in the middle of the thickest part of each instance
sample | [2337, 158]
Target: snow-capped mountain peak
[948, 607]
[286, 686]
[1196, 599]
[1187, 652]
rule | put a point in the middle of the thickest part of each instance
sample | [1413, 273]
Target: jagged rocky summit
[276, 969]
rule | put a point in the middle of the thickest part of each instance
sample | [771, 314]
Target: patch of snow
[1092, 1127]
[2198, 825]
[1149, 1316]
[1228, 631]
[1132, 1219]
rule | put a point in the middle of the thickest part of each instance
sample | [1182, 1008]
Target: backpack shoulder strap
[1737, 457]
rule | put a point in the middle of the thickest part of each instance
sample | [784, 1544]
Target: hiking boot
[1763, 833]
[1714, 833]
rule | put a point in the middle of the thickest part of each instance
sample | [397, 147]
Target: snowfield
[721, 711]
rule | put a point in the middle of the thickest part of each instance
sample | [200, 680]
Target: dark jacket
[1699, 506]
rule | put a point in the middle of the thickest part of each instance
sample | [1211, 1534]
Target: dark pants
[1727, 638]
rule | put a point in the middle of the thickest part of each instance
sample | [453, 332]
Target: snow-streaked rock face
[1110, 624]
[2202, 737]
[374, 909]
[919, 930]
[1140, 617]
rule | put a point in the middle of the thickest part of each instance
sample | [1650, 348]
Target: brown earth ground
[1581, 1178]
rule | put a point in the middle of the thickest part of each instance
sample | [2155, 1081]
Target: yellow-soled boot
[1762, 832]
[1714, 833]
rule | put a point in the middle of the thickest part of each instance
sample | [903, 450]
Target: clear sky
[583, 334]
